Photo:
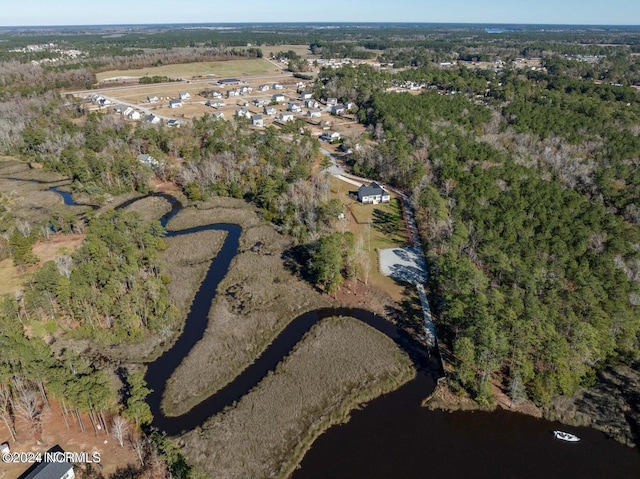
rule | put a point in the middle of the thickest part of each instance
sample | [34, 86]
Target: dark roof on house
[48, 470]
[371, 190]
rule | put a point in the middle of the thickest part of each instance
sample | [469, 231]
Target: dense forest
[525, 183]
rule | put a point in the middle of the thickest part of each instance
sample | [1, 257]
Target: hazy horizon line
[502, 24]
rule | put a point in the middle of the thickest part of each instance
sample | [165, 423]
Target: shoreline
[583, 409]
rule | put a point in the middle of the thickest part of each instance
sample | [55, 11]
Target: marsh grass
[339, 364]
[254, 303]
[150, 208]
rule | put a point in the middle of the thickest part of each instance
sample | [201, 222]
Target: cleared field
[254, 302]
[229, 68]
[338, 365]
[302, 50]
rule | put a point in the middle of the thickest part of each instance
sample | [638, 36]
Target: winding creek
[393, 437]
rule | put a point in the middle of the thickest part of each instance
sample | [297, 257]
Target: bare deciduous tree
[119, 429]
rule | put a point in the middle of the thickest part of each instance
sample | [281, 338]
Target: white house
[285, 117]
[245, 90]
[270, 110]
[332, 101]
[148, 160]
[277, 86]
[183, 95]
[325, 124]
[264, 88]
[311, 103]
[243, 112]
[120, 109]
[152, 99]
[257, 120]
[374, 194]
[337, 109]
[231, 93]
[305, 95]
[216, 94]
[127, 111]
[278, 98]
[175, 103]
[314, 113]
[174, 123]
[153, 119]
[214, 103]
[218, 115]
[294, 107]
[134, 115]
[330, 136]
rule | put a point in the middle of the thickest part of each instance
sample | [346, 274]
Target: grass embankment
[338, 365]
[228, 68]
[254, 302]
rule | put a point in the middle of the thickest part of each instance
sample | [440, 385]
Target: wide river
[393, 437]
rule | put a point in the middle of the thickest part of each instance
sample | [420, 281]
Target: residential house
[278, 98]
[257, 120]
[270, 110]
[264, 88]
[148, 160]
[305, 95]
[50, 470]
[152, 99]
[245, 90]
[119, 108]
[330, 136]
[314, 113]
[311, 103]
[216, 94]
[218, 115]
[259, 102]
[325, 125]
[337, 109]
[277, 86]
[294, 107]
[231, 93]
[153, 119]
[285, 117]
[134, 115]
[332, 101]
[174, 123]
[243, 112]
[183, 95]
[374, 194]
[174, 103]
[349, 105]
[127, 111]
[214, 103]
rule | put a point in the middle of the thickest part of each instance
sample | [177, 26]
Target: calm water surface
[393, 437]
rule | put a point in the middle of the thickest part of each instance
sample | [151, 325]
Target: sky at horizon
[82, 12]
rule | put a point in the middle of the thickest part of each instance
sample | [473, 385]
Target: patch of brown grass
[254, 302]
[151, 208]
[338, 365]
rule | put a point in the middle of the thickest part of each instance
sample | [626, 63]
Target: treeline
[535, 285]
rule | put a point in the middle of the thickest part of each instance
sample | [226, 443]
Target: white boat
[565, 436]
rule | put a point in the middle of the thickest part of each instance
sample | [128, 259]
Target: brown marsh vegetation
[255, 301]
[339, 364]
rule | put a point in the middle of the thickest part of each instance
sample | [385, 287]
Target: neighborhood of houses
[232, 97]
